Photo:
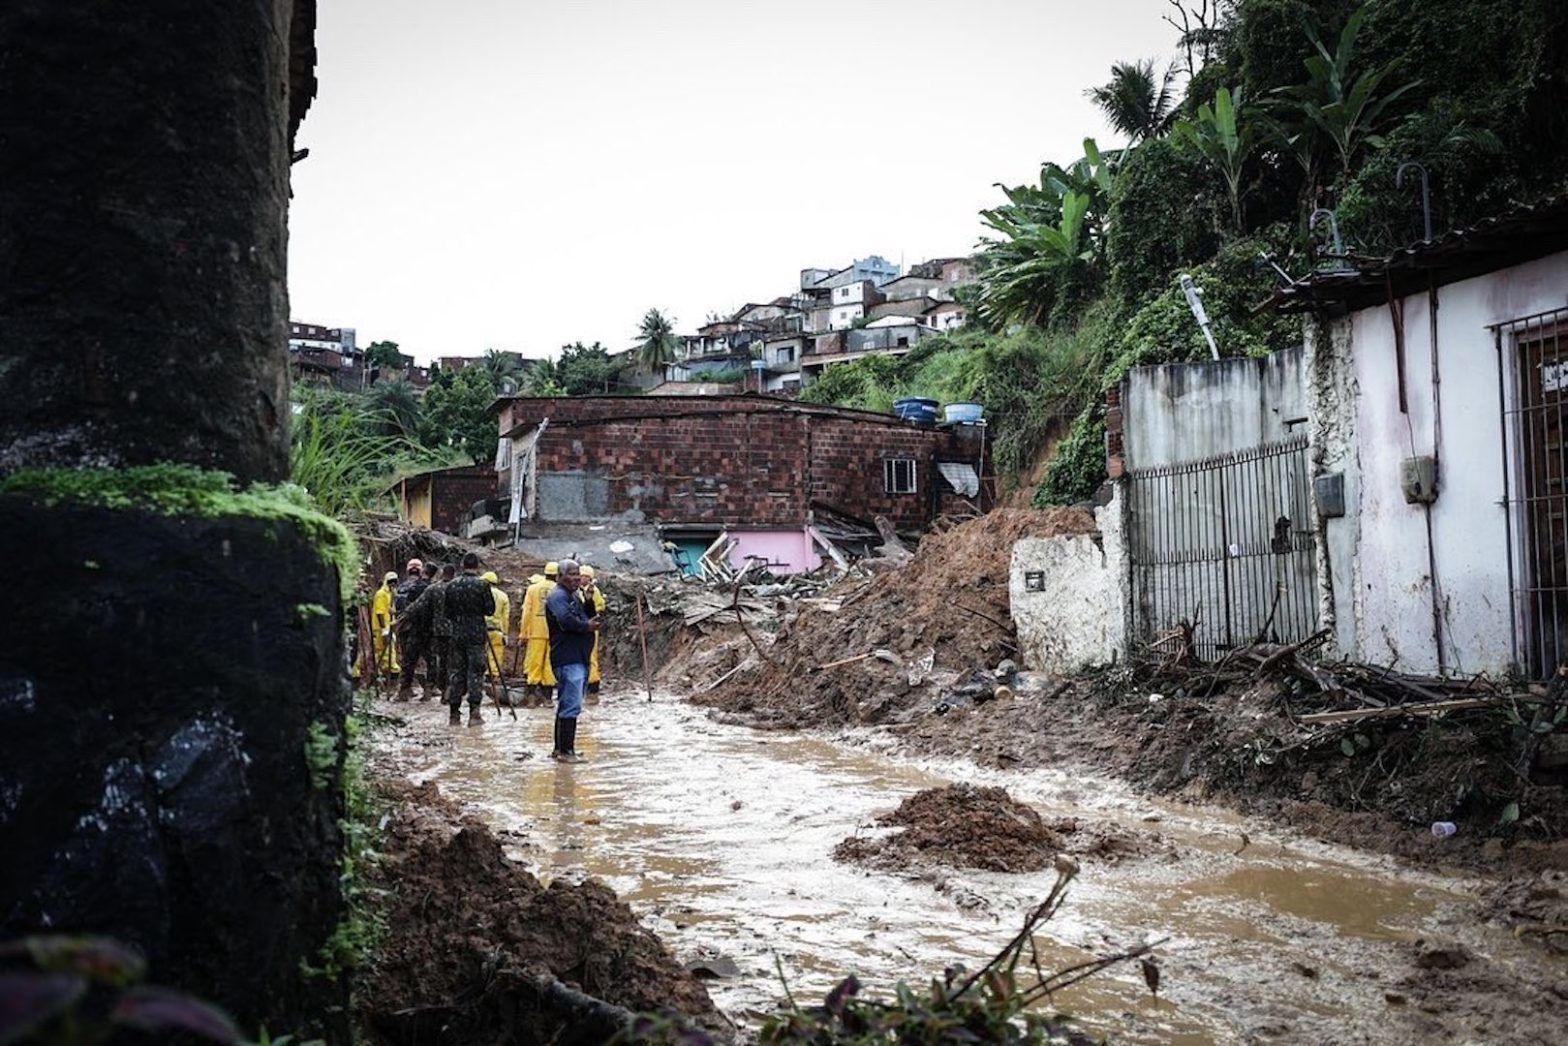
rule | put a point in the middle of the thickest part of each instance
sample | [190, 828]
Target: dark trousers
[466, 673]
[415, 646]
[436, 662]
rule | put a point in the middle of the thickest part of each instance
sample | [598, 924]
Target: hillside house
[773, 474]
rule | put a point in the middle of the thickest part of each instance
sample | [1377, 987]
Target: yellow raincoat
[383, 648]
[534, 630]
[496, 625]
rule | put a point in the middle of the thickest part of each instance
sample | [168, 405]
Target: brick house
[442, 498]
[763, 469]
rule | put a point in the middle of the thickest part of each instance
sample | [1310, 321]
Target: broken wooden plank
[1424, 708]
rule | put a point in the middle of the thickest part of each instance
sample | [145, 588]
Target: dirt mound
[472, 939]
[962, 826]
[949, 602]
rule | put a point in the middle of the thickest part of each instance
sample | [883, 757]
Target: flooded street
[720, 838]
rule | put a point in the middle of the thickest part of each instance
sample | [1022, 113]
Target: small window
[898, 475]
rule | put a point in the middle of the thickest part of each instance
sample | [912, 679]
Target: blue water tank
[916, 409]
[963, 413]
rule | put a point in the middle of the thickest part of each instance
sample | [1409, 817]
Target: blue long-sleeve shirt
[571, 635]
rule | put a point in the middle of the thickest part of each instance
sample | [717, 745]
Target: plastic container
[916, 409]
[963, 413]
[1444, 829]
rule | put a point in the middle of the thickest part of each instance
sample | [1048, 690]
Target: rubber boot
[593, 693]
[555, 746]
[405, 693]
[569, 742]
[475, 717]
[456, 718]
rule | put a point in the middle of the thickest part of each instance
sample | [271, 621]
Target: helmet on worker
[552, 569]
[490, 576]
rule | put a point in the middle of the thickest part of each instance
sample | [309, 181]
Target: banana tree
[1222, 135]
[1336, 105]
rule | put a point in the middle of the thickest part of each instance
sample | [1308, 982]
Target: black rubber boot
[569, 742]
[475, 717]
[456, 718]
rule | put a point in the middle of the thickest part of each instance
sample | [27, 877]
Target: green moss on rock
[184, 490]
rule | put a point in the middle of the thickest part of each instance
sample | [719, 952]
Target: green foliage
[1223, 136]
[362, 926]
[585, 370]
[1136, 101]
[321, 755]
[185, 490]
[1163, 217]
[342, 453]
[1078, 467]
[458, 416]
[1051, 240]
[392, 409]
[1341, 106]
[384, 354]
[308, 612]
[656, 341]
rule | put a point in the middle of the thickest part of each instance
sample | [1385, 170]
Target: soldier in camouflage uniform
[468, 602]
[439, 659]
[413, 630]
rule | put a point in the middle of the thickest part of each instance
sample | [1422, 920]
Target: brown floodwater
[720, 838]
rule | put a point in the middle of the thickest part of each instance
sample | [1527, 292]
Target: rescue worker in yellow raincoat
[383, 649]
[496, 626]
[533, 631]
[593, 596]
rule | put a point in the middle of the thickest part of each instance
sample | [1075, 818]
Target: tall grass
[345, 457]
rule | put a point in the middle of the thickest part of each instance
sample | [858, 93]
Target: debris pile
[963, 826]
[477, 950]
[866, 651]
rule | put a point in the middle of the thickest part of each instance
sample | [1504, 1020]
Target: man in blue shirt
[572, 631]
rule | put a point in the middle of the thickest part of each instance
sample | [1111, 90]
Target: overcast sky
[521, 174]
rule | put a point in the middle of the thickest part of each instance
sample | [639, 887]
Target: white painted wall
[1080, 618]
[1178, 412]
[1376, 571]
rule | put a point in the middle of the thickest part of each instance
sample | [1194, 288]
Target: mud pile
[472, 939]
[1535, 907]
[948, 603]
[962, 826]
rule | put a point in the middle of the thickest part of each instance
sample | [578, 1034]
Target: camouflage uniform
[440, 659]
[413, 634]
[468, 602]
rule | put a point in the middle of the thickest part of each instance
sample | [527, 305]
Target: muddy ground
[964, 826]
[473, 940]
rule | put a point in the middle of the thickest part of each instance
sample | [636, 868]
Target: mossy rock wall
[158, 684]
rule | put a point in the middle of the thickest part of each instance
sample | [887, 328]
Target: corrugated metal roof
[1518, 235]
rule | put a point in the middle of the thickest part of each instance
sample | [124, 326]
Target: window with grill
[898, 475]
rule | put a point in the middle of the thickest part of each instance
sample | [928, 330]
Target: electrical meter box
[1328, 489]
[1418, 479]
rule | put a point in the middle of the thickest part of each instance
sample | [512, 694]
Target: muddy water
[720, 838]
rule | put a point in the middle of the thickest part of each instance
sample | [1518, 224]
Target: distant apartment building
[313, 337]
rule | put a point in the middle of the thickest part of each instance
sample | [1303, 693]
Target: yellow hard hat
[552, 568]
[390, 575]
[586, 571]
[490, 576]
[535, 579]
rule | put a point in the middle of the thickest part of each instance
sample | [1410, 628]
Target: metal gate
[1534, 407]
[1225, 543]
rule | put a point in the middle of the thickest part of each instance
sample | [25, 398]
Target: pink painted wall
[786, 551]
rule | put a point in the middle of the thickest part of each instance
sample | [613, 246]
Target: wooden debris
[1425, 708]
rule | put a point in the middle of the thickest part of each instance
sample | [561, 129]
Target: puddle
[719, 837]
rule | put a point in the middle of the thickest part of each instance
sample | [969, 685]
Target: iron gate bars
[1226, 543]
[1532, 398]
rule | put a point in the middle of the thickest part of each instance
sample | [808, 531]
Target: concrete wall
[1185, 411]
[1375, 578]
[785, 551]
[1079, 618]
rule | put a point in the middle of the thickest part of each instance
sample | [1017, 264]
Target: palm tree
[503, 367]
[394, 408]
[1136, 101]
[656, 341]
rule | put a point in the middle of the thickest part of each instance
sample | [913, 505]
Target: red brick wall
[456, 493]
[740, 460]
